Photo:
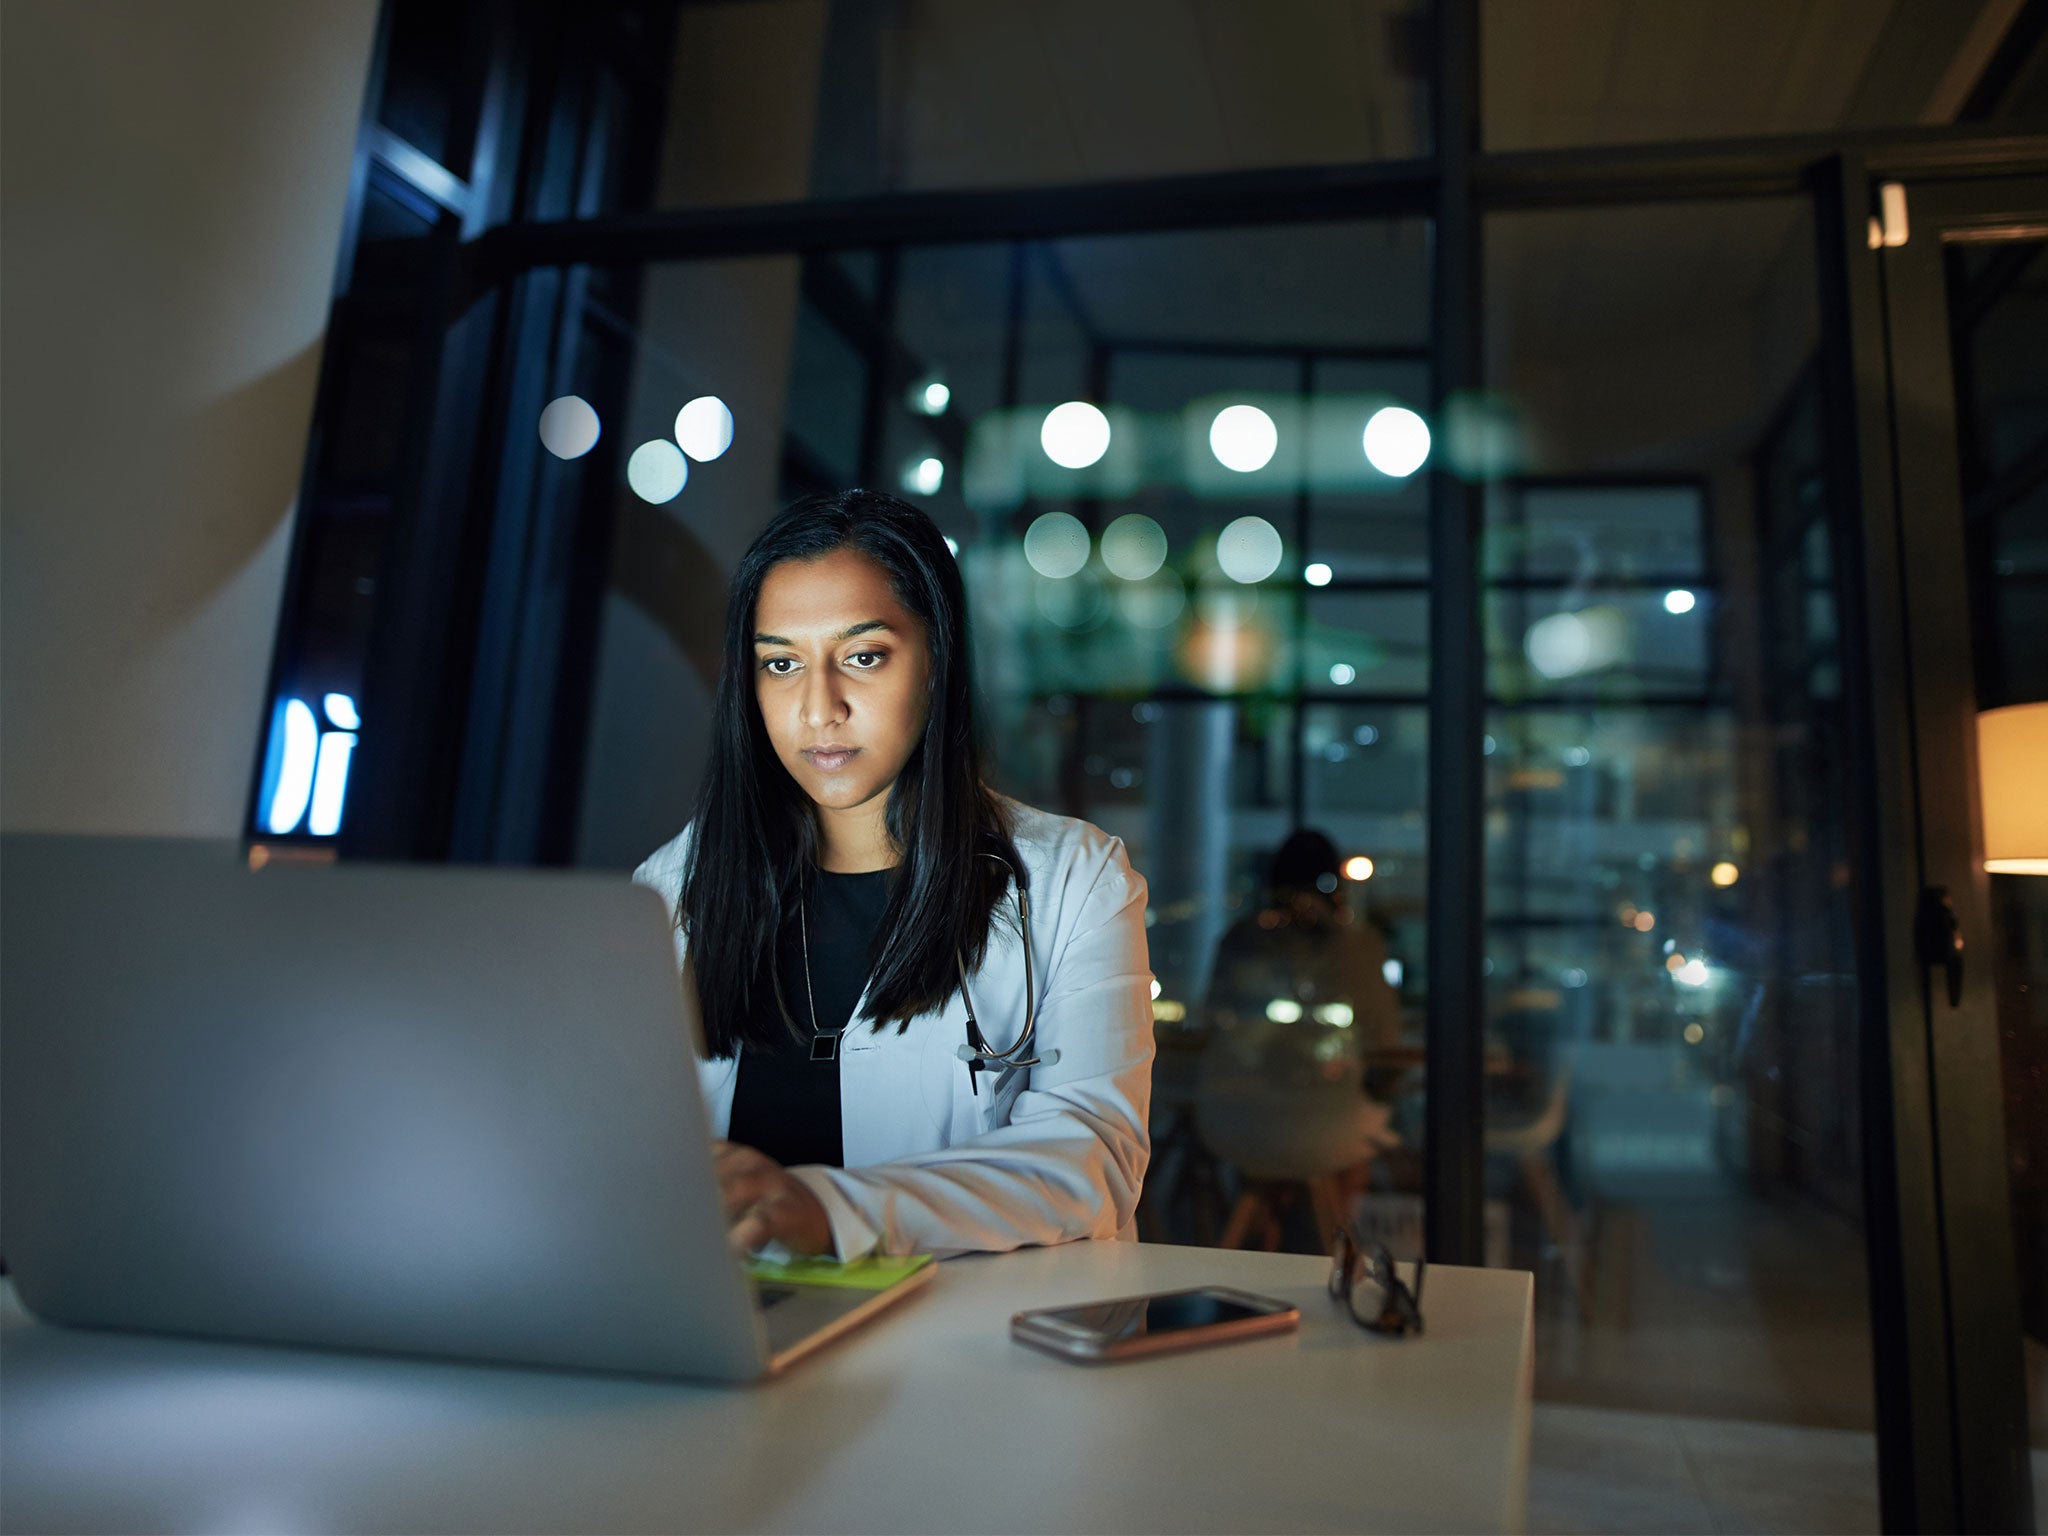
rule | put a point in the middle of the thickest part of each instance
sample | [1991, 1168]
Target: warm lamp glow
[2012, 769]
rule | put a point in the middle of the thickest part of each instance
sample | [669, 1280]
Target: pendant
[824, 1047]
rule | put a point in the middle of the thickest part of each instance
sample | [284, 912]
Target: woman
[844, 873]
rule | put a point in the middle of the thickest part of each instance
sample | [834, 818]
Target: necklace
[824, 1047]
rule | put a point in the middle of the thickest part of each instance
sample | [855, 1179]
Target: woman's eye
[779, 666]
[867, 661]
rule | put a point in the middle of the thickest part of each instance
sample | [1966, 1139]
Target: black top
[784, 1103]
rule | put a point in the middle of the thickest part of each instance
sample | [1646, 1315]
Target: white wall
[172, 179]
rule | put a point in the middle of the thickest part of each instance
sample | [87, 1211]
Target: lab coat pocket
[951, 1108]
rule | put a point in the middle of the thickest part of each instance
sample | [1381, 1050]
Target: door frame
[1945, 1321]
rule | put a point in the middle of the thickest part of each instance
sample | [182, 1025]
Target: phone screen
[1142, 1315]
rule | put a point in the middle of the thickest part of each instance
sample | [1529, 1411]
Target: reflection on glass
[1671, 1061]
[1998, 306]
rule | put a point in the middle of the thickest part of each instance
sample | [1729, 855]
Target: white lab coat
[1040, 1154]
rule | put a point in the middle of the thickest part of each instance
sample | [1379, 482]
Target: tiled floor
[1723, 1382]
[1596, 1470]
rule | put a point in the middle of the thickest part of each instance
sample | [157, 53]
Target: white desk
[929, 1419]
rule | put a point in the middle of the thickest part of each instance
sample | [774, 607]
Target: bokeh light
[704, 428]
[924, 476]
[1073, 605]
[1724, 874]
[1316, 574]
[657, 471]
[1133, 547]
[294, 744]
[1679, 601]
[1396, 441]
[1249, 550]
[1056, 544]
[1074, 435]
[1566, 644]
[932, 398]
[1358, 867]
[1243, 438]
[1343, 673]
[568, 427]
[1154, 603]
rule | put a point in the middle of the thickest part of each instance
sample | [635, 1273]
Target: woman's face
[840, 672]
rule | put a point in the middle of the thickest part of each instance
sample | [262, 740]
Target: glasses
[1364, 1280]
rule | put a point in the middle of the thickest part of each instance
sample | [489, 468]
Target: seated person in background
[1303, 978]
[1298, 1002]
[849, 889]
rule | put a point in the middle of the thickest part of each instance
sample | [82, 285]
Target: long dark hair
[755, 843]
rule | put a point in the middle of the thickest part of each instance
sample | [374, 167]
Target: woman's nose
[822, 700]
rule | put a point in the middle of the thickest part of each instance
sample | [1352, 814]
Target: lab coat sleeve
[1070, 1159]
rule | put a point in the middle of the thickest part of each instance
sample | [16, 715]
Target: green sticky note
[869, 1274]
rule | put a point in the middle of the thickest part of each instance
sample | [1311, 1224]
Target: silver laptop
[418, 1109]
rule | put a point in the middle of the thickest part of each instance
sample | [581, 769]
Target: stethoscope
[979, 1055]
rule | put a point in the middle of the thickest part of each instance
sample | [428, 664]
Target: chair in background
[1284, 1136]
[1532, 1143]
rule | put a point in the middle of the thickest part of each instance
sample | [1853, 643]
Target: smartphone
[1130, 1326]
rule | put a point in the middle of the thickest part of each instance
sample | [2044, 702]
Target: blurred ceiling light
[1694, 973]
[1133, 547]
[1283, 1010]
[1154, 603]
[568, 427]
[1243, 438]
[1644, 922]
[1056, 544]
[1339, 1014]
[1358, 867]
[1724, 873]
[930, 398]
[1559, 645]
[1396, 441]
[1392, 970]
[1317, 574]
[1366, 735]
[1679, 601]
[1566, 644]
[657, 471]
[1342, 673]
[704, 428]
[1249, 550]
[1075, 435]
[1577, 757]
[1674, 962]
[1694, 1034]
[924, 476]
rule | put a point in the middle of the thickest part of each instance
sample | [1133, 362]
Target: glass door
[1963, 279]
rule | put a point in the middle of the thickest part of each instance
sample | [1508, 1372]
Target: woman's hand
[764, 1204]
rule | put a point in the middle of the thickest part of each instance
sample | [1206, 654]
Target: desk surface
[928, 1419]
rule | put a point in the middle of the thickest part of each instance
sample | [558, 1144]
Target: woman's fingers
[764, 1204]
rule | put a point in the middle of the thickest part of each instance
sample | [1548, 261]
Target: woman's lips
[831, 762]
